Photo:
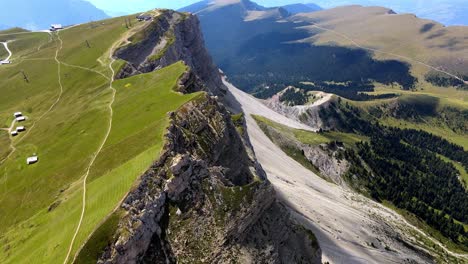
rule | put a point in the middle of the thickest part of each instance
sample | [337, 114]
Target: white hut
[18, 114]
[21, 118]
[14, 133]
[20, 129]
[32, 160]
[5, 62]
[55, 27]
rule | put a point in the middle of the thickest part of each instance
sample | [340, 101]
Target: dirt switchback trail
[111, 80]
[350, 227]
[5, 44]
[55, 102]
[96, 154]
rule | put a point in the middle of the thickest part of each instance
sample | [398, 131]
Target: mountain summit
[214, 4]
[302, 8]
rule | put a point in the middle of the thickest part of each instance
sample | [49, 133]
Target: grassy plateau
[85, 134]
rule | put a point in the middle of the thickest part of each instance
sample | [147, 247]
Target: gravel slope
[350, 228]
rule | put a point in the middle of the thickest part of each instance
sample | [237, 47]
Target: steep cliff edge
[171, 37]
[206, 200]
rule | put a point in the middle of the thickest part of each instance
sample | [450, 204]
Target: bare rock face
[324, 158]
[306, 114]
[206, 200]
[170, 38]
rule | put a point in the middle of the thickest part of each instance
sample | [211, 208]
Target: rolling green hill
[94, 136]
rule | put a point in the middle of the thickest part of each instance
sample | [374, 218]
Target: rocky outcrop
[207, 200]
[171, 37]
[275, 239]
[325, 159]
[308, 114]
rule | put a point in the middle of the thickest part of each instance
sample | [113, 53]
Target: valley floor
[350, 227]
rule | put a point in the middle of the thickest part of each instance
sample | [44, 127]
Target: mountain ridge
[449, 13]
[391, 75]
[157, 169]
[302, 8]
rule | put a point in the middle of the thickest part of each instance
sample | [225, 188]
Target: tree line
[404, 168]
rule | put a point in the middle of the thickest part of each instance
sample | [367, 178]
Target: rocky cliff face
[171, 37]
[308, 114]
[206, 200]
[325, 159]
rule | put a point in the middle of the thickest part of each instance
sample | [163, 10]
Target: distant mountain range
[301, 8]
[262, 49]
[251, 6]
[215, 4]
[447, 12]
[39, 14]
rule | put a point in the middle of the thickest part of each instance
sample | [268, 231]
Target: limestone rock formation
[206, 200]
[172, 37]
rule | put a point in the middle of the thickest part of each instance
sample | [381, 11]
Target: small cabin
[14, 133]
[55, 27]
[20, 129]
[144, 18]
[32, 160]
[17, 114]
[5, 62]
[20, 119]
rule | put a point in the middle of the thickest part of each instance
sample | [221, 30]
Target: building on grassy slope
[32, 160]
[55, 27]
[21, 118]
[144, 18]
[17, 114]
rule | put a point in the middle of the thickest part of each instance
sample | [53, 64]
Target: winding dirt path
[86, 69]
[85, 176]
[59, 97]
[9, 130]
[5, 44]
[349, 227]
[111, 79]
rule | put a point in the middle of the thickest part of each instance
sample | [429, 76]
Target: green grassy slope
[282, 132]
[419, 42]
[311, 138]
[439, 114]
[3, 52]
[41, 204]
